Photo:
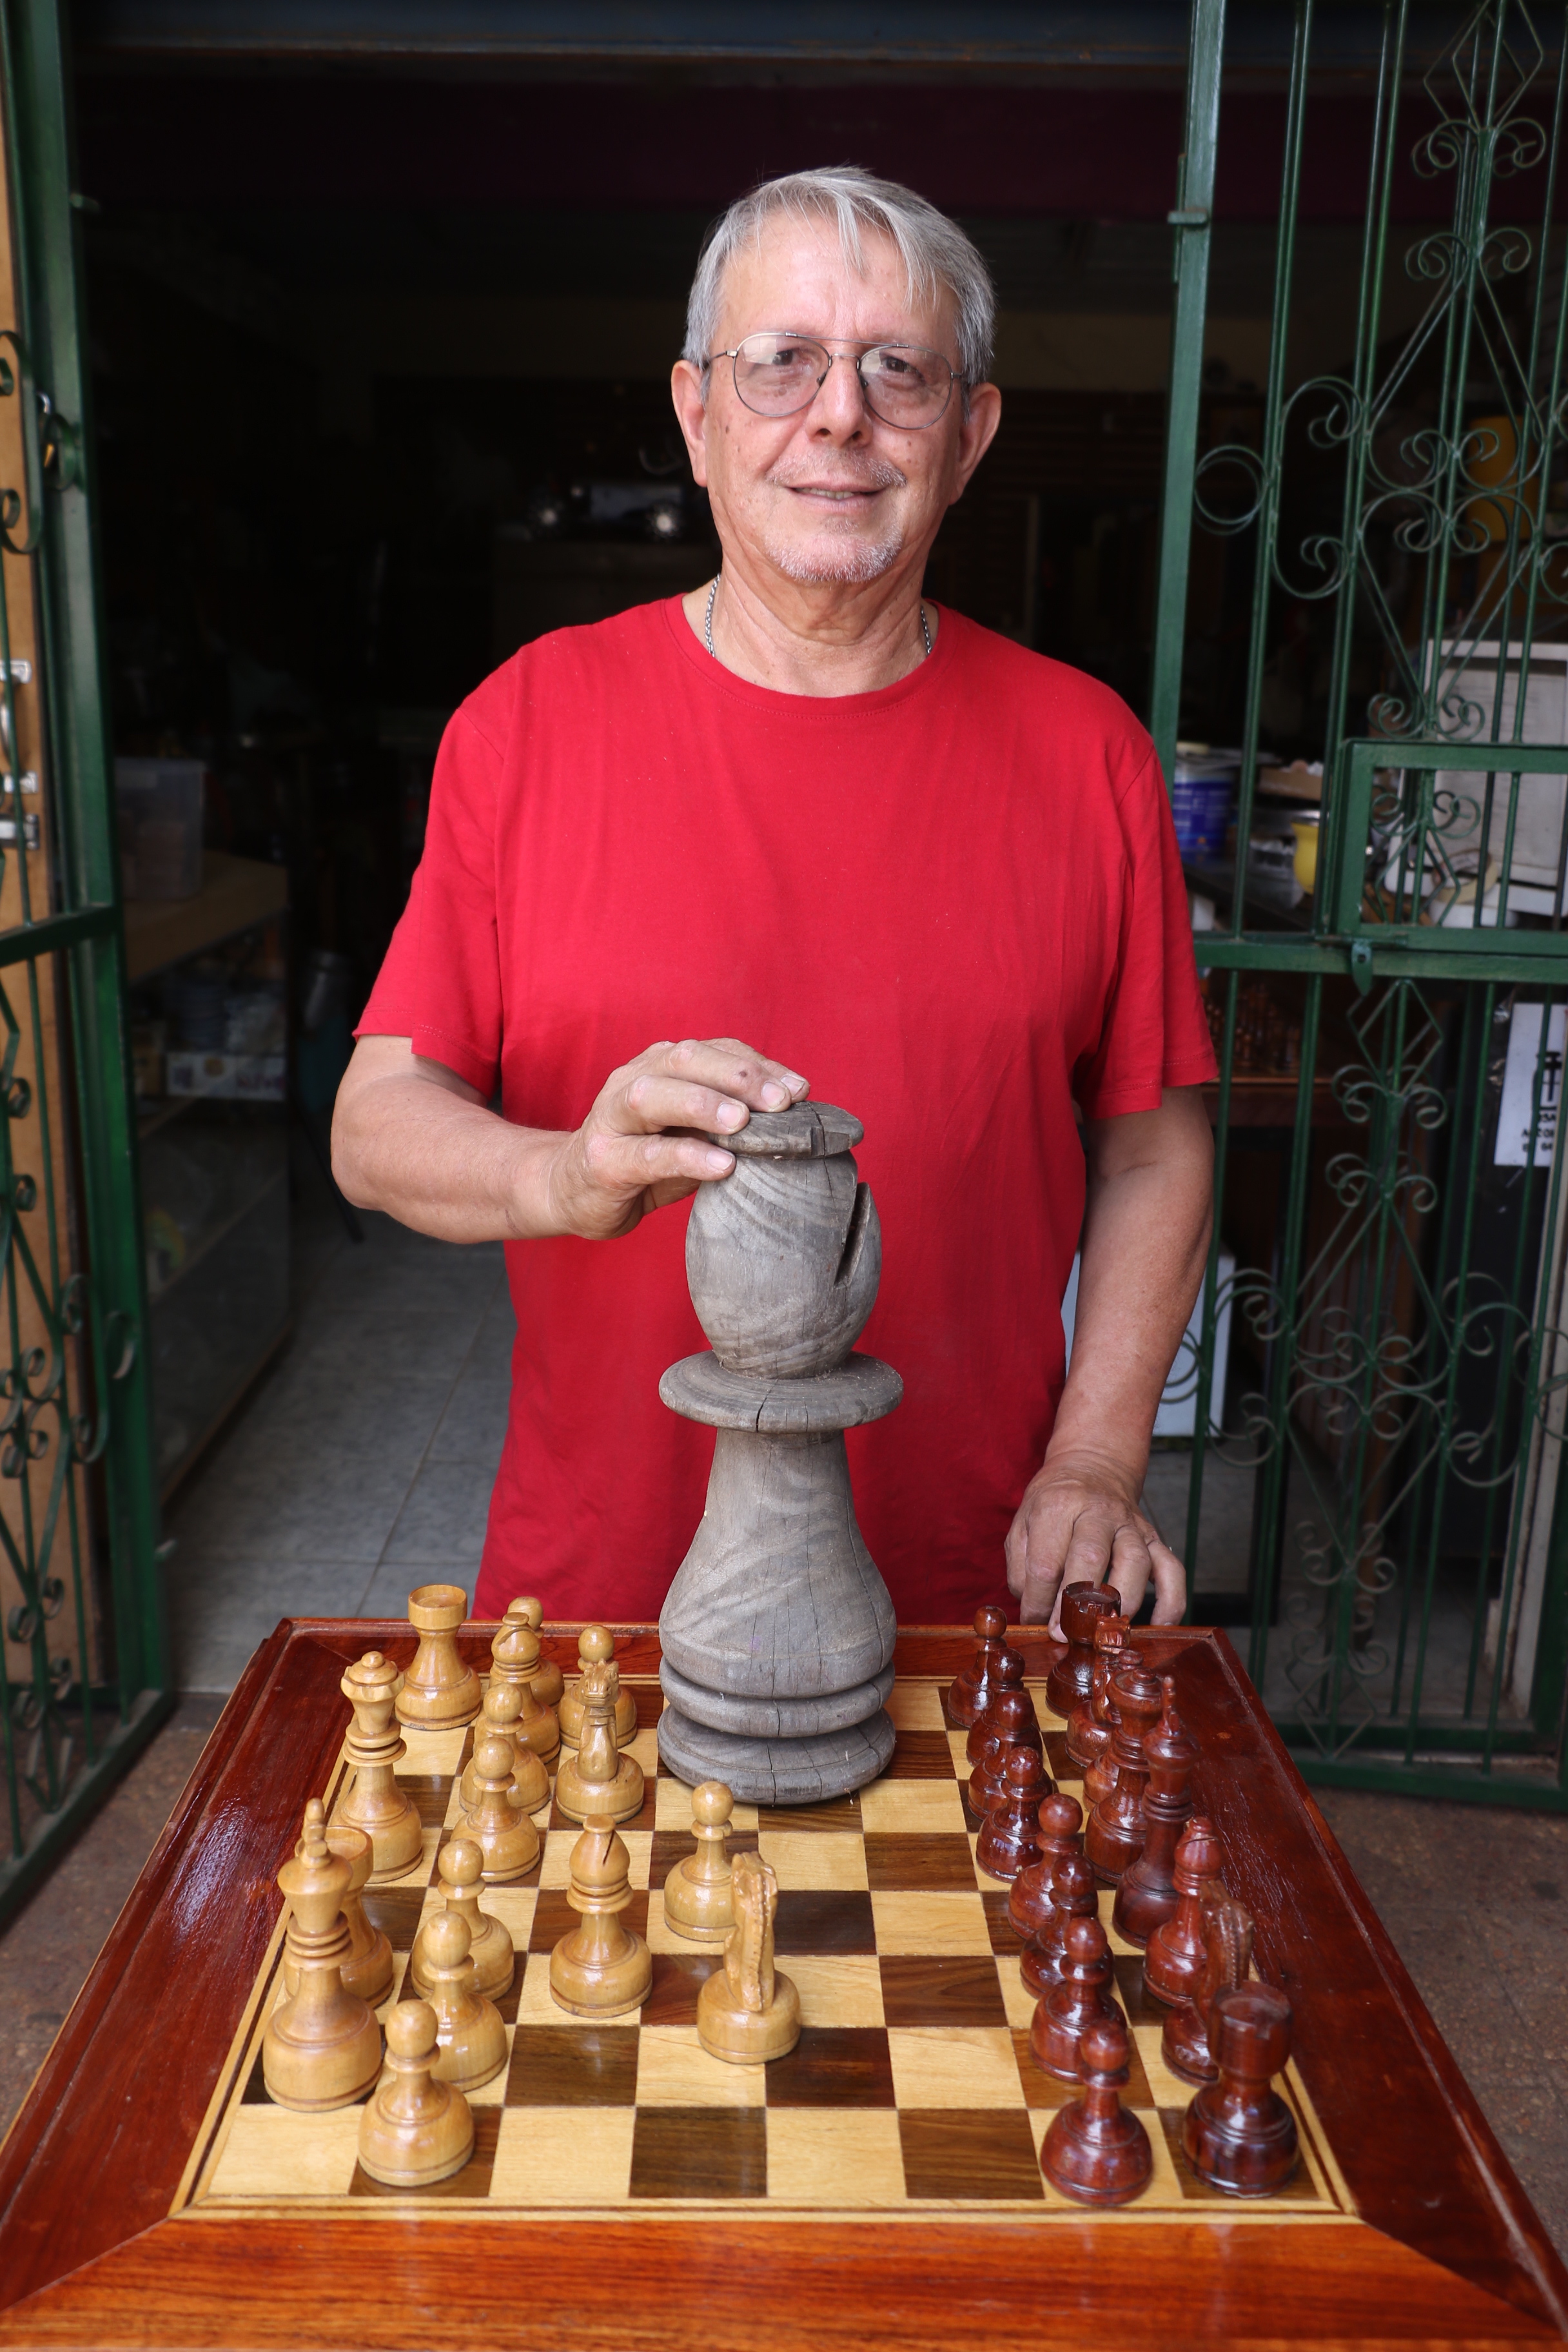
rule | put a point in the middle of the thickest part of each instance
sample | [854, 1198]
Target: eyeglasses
[777, 373]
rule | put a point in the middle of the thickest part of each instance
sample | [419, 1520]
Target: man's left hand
[1081, 1522]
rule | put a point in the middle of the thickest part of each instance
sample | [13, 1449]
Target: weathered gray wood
[860, 1388]
[783, 1260]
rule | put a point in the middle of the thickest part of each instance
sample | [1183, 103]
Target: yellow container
[1306, 830]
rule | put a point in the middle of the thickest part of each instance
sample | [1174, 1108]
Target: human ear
[692, 416]
[976, 433]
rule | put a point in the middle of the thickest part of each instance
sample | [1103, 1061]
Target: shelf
[236, 893]
[1219, 882]
[220, 1233]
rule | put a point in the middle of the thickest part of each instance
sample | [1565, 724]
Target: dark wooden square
[396, 1911]
[1142, 2007]
[700, 2152]
[985, 2152]
[923, 1989]
[1297, 2189]
[1005, 1936]
[678, 1978]
[1043, 2090]
[255, 2092]
[1060, 1763]
[834, 2066]
[670, 1846]
[431, 1792]
[474, 2180]
[951, 1721]
[649, 1697]
[972, 1816]
[839, 1813]
[919, 1861]
[554, 1917]
[506, 2002]
[573, 2066]
[920, 1755]
[824, 1920]
[638, 1821]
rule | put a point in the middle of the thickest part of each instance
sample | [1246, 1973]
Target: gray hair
[934, 249]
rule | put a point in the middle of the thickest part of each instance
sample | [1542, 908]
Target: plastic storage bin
[160, 808]
[1202, 798]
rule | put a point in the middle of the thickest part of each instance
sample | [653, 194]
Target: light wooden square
[563, 2156]
[958, 1745]
[811, 1858]
[983, 1878]
[916, 1707]
[938, 1922]
[430, 1839]
[272, 2152]
[954, 2067]
[910, 1808]
[815, 2158]
[514, 1907]
[1118, 1944]
[672, 1806]
[493, 2092]
[836, 1988]
[663, 1938]
[674, 2071]
[1017, 1999]
[555, 1869]
[430, 1751]
[537, 2005]
[1048, 1718]
[1168, 2090]
[644, 1746]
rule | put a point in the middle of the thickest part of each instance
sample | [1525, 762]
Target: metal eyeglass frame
[924, 349]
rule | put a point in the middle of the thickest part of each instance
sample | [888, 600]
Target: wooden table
[1444, 2249]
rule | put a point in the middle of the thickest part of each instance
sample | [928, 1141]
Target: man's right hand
[645, 1142]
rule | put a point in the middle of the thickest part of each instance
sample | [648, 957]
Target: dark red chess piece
[1009, 1835]
[1009, 1676]
[971, 1687]
[1072, 1677]
[1058, 1834]
[1097, 2151]
[1012, 1717]
[1227, 1938]
[1177, 1954]
[1114, 1833]
[1089, 1730]
[1074, 1895]
[1238, 2135]
[1082, 1999]
[1148, 1894]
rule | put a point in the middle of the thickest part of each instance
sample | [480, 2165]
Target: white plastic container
[160, 807]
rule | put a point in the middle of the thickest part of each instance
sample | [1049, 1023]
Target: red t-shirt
[954, 904]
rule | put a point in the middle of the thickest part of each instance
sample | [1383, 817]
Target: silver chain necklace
[708, 622]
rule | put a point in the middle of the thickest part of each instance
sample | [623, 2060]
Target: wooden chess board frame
[126, 2217]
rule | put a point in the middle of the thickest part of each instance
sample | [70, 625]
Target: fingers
[1170, 1584]
[708, 1083]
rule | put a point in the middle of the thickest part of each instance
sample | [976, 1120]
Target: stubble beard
[835, 553]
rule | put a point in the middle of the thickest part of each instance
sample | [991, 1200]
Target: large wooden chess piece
[514, 1658]
[368, 1968]
[439, 1692]
[1082, 1998]
[415, 2130]
[1227, 1941]
[595, 1777]
[1059, 1835]
[595, 1647]
[505, 1835]
[1238, 2134]
[321, 2047]
[549, 1682]
[1097, 2151]
[1072, 1679]
[748, 2012]
[461, 1865]
[1009, 1835]
[1148, 1894]
[468, 2025]
[502, 1721]
[373, 1803]
[778, 1631]
[973, 1686]
[1114, 1832]
[1177, 1954]
[699, 1896]
[600, 1968]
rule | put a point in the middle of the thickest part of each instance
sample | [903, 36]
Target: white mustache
[851, 471]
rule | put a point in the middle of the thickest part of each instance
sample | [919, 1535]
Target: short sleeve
[1155, 1031]
[440, 983]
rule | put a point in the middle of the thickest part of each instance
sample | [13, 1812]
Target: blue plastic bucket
[1202, 799]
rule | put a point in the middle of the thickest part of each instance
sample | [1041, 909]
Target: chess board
[911, 2095]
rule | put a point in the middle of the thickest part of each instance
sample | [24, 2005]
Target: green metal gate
[1386, 1288]
[85, 1675]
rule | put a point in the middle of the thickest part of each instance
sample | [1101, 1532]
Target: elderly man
[917, 871]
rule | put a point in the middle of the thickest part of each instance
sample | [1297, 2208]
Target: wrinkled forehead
[800, 273]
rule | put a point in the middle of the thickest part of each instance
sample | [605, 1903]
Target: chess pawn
[439, 1692]
[1238, 2135]
[1007, 1675]
[415, 2130]
[600, 1968]
[514, 1659]
[597, 1778]
[549, 1682]
[1072, 1679]
[322, 2046]
[1097, 2151]
[1012, 1717]
[1074, 1895]
[1148, 1894]
[748, 2012]
[1227, 1941]
[367, 1970]
[1089, 1724]
[460, 1864]
[698, 1898]
[1030, 1904]
[1113, 1835]
[971, 1688]
[374, 1802]
[505, 1836]
[1177, 1954]
[595, 1647]
[1009, 1835]
[468, 2027]
[1082, 1999]
[501, 1720]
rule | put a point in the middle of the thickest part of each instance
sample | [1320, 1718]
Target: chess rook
[1095, 2150]
[973, 1686]
[748, 2012]
[1238, 2134]
[322, 2046]
[515, 1659]
[1072, 1679]
[373, 1803]
[699, 1898]
[439, 1692]
[415, 2130]
[595, 1647]
[778, 1631]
